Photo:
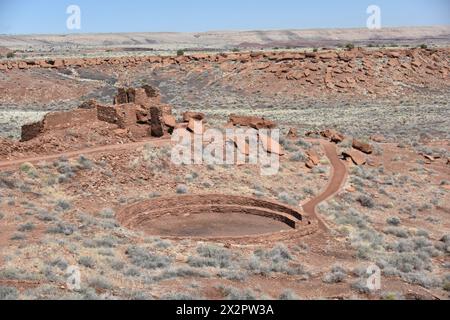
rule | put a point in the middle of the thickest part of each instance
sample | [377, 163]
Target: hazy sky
[49, 16]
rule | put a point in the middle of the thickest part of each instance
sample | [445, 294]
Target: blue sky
[49, 16]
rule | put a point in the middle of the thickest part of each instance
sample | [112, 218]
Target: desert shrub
[29, 226]
[102, 242]
[299, 157]
[182, 189]
[279, 253]
[366, 201]
[87, 262]
[180, 53]
[353, 218]
[423, 46]
[364, 251]
[117, 265]
[8, 293]
[132, 272]
[337, 274]
[143, 258]
[11, 274]
[393, 221]
[181, 272]
[181, 296]
[392, 296]
[287, 199]
[139, 296]
[422, 279]
[84, 163]
[360, 286]
[446, 239]
[62, 205]
[61, 263]
[304, 144]
[18, 236]
[232, 293]
[350, 46]
[397, 231]
[288, 295]
[99, 282]
[446, 285]
[275, 260]
[62, 228]
[154, 195]
[409, 262]
[211, 256]
[107, 213]
[233, 275]
[162, 244]
[10, 55]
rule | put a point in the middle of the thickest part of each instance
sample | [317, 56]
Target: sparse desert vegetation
[363, 182]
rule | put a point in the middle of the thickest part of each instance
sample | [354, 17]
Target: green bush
[350, 46]
[180, 53]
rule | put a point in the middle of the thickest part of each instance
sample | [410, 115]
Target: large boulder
[198, 116]
[270, 145]
[362, 146]
[196, 127]
[357, 157]
[169, 120]
[333, 135]
[293, 133]
[252, 122]
[313, 157]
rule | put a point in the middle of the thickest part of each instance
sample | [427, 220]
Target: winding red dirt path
[338, 177]
[87, 151]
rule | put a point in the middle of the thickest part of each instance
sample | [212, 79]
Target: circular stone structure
[213, 217]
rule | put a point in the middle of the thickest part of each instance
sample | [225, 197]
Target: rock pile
[356, 71]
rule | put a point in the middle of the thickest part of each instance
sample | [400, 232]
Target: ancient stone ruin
[137, 110]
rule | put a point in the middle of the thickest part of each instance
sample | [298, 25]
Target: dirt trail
[88, 151]
[338, 178]
[338, 173]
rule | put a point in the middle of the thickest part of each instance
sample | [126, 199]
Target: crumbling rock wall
[58, 121]
[138, 110]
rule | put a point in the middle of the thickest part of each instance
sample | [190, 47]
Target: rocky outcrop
[357, 157]
[362, 146]
[293, 133]
[333, 135]
[252, 122]
[198, 116]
